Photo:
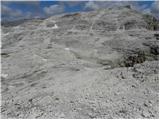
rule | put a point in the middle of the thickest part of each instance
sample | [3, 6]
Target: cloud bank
[53, 9]
[36, 10]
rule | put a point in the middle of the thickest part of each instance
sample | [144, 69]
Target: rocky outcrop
[152, 23]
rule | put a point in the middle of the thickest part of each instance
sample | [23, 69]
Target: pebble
[67, 49]
[145, 114]
[4, 75]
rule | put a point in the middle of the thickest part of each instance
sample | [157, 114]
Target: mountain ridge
[99, 64]
[146, 16]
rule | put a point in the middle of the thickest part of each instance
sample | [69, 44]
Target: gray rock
[108, 56]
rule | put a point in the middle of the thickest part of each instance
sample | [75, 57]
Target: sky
[14, 10]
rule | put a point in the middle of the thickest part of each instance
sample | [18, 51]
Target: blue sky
[36, 9]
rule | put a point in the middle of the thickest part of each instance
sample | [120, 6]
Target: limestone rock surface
[98, 64]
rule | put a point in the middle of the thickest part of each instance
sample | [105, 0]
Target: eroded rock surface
[99, 64]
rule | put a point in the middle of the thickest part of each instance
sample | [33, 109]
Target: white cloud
[142, 8]
[53, 9]
[9, 14]
[28, 15]
[91, 5]
[71, 3]
[155, 9]
[94, 5]
[31, 3]
[6, 11]
[155, 5]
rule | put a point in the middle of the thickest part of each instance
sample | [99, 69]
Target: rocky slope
[98, 64]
